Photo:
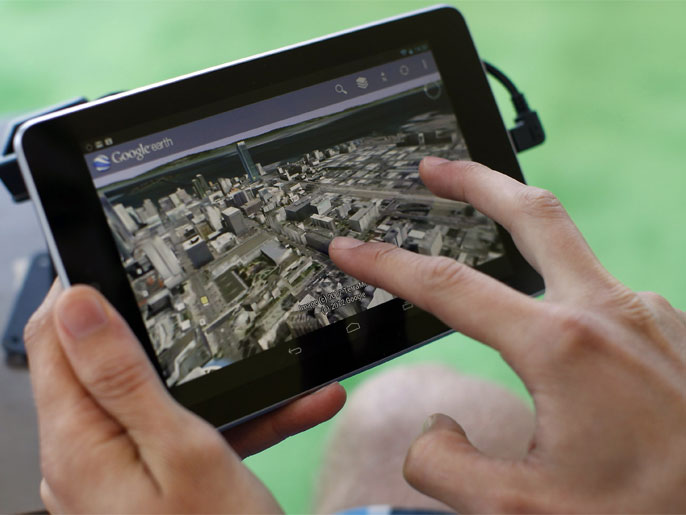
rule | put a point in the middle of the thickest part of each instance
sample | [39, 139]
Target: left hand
[114, 440]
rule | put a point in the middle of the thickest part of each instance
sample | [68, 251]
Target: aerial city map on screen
[226, 249]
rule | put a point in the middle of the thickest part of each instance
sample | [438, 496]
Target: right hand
[605, 366]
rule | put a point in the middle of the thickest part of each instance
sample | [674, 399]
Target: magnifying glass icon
[340, 89]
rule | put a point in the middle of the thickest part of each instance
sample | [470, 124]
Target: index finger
[465, 299]
[304, 413]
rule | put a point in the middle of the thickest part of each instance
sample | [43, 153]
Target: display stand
[40, 273]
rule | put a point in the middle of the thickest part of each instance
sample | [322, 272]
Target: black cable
[528, 130]
[502, 78]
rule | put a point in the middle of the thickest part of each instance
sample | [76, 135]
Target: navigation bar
[126, 160]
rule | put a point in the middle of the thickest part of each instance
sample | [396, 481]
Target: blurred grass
[606, 77]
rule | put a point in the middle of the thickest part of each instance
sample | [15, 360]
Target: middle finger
[539, 225]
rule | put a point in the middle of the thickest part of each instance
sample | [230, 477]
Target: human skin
[112, 438]
[362, 464]
[605, 366]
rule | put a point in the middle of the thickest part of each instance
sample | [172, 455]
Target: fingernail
[81, 316]
[438, 420]
[434, 161]
[428, 424]
[343, 243]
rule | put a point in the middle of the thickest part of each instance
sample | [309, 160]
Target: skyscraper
[149, 209]
[239, 198]
[323, 221]
[246, 161]
[198, 251]
[200, 186]
[126, 218]
[202, 180]
[234, 220]
[165, 204]
[122, 236]
[214, 217]
[183, 196]
[164, 261]
[175, 199]
[251, 207]
[431, 244]
[275, 252]
[318, 241]
[300, 210]
[225, 185]
[301, 323]
[134, 215]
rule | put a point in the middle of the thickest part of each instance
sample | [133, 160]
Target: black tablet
[202, 207]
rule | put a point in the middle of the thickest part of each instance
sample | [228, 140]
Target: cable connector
[528, 130]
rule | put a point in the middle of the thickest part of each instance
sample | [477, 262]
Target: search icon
[340, 89]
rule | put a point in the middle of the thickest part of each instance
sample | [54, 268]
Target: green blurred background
[608, 79]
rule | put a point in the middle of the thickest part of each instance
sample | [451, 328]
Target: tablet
[202, 207]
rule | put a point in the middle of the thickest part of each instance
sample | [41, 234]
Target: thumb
[109, 361]
[443, 464]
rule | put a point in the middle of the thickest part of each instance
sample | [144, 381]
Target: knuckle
[202, 445]
[114, 378]
[576, 334]
[35, 328]
[383, 253]
[654, 299]
[514, 502]
[539, 202]
[432, 466]
[631, 307]
[33, 331]
[210, 446]
[420, 458]
[468, 167]
[443, 273]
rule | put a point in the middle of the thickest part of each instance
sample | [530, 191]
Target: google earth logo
[101, 163]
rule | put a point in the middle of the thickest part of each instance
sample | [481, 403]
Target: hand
[606, 366]
[113, 439]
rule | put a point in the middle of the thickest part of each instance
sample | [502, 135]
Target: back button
[351, 328]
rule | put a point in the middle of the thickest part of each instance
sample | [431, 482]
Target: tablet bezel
[84, 251]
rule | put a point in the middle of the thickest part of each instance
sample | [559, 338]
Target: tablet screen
[223, 222]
